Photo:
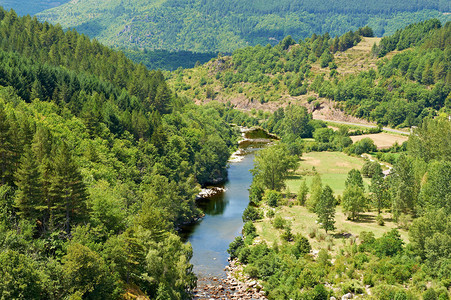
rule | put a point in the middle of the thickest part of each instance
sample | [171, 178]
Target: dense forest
[100, 163]
[166, 60]
[416, 194]
[224, 26]
[398, 91]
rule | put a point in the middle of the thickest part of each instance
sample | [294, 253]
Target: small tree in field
[325, 209]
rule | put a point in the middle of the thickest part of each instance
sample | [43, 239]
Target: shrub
[389, 244]
[352, 286]
[429, 294]
[235, 246]
[279, 222]
[272, 198]
[270, 214]
[255, 194]
[301, 246]
[249, 229]
[287, 235]
[321, 236]
[312, 232]
[251, 214]
[380, 220]
[243, 254]
[252, 271]
[404, 221]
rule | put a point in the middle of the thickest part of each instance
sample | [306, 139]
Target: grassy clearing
[302, 221]
[382, 140]
[332, 166]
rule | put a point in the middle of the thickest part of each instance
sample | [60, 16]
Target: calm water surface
[210, 238]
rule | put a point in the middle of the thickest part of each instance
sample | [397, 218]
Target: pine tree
[29, 196]
[325, 209]
[6, 148]
[68, 192]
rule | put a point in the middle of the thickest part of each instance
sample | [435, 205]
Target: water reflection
[211, 236]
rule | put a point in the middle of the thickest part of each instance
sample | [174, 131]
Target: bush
[251, 214]
[380, 220]
[312, 232]
[243, 254]
[352, 286]
[301, 246]
[249, 229]
[287, 235]
[279, 222]
[252, 271]
[371, 169]
[235, 246]
[272, 198]
[270, 214]
[404, 221]
[389, 244]
[430, 294]
[255, 194]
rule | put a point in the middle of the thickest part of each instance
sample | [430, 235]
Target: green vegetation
[374, 257]
[211, 25]
[100, 163]
[399, 89]
[333, 168]
[30, 7]
[166, 60]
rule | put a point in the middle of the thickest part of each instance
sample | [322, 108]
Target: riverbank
[236, 285]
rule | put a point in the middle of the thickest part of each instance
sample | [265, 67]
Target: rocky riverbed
[234, 286]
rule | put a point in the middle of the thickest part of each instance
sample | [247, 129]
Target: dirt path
[388, 129]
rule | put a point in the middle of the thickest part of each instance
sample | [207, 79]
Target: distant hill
[30, 7]
[214, 25]
[397, 80]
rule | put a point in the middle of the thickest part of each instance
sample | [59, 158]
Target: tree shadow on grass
[364, 218]
[294, 177]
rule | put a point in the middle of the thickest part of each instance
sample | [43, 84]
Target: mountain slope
[399, 89]
[211, 25]
[30, 7]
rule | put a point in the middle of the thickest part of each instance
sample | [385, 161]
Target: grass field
[332, 166]
[302, 221]
[382, 140]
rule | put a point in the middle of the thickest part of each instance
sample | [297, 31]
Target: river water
[211, 236]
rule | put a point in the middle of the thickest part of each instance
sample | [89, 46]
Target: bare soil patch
[382, 140]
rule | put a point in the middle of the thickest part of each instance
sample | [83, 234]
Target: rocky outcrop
[210, 192]
[234, 286]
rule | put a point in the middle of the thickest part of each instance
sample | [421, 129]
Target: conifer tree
[6, 147]
[29, 196]
[68, 192]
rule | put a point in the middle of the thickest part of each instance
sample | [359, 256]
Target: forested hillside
[211, 25]
[100, 162]
[398, 90]
[30, 7]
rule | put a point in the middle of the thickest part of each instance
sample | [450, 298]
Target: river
[211, 236]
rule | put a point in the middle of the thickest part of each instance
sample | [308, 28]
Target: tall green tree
[354, 201]
[29, 198]
[325, 209]
[272, 165]
[316, 189]
[302, 193]
[380, 193]
[6, 148]
[68, 192]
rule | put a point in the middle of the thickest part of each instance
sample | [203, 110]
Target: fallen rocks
[233, 287]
